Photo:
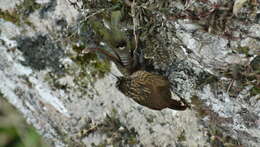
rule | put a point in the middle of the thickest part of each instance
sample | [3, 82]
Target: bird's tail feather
[177, 105]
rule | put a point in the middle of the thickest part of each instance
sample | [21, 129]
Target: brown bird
[150, 90]
[146, 88]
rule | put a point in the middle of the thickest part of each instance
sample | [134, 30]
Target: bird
[138, 82]
[150, 90]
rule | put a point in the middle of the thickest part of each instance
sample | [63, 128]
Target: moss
[11, 17]
[21, 13]
[27, 7]
[100, 66]
[181, 137]
[255, 91]
[243, 50]
[18, 132]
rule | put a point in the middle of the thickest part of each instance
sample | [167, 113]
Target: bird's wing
[140, 92]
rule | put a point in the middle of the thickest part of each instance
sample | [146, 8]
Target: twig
[134, 22]
[230, 85]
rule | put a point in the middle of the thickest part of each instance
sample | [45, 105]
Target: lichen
[40, 52]
[48, 7]
[116, 133]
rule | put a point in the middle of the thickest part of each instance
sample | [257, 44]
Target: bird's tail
[177, 105]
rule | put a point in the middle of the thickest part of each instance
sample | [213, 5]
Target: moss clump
[97, 66]
[243, 50]
[255, 91]
[20, 15]
[27, 7]
[12, 17]
[182, 136]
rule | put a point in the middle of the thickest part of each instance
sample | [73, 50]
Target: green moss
[255, 91]
[27, 7]
[181, 137]
[14, 131]
[243, 50]
[21, 13]
[100, 66]
[1, 94]
[11, 17]
[132, 140]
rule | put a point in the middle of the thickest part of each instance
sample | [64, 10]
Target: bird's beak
[117, 77]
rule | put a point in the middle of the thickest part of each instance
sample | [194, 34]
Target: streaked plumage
[146, 88]
[150, 90]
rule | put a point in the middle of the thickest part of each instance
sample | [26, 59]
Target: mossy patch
[20, 14]
[255, 91]
[27, 7]
[243, 50]
[11, 17]
[182, 136]
[99, 66]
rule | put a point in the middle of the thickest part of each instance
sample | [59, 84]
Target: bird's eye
[121, 45]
